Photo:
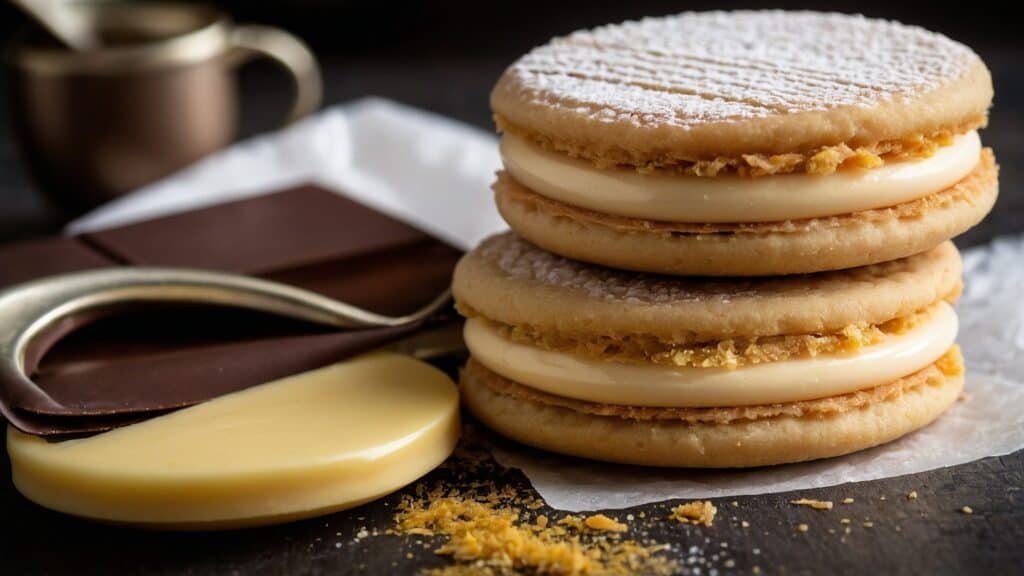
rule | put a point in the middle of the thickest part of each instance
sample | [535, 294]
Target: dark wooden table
[929, 535]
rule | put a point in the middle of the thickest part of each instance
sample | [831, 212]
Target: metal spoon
[63, 22]
[40, 308]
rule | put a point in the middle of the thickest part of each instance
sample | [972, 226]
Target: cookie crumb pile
[491, 531]
[730, 239]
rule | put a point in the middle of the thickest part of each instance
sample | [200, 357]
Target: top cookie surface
[698, 85]
[509, 280]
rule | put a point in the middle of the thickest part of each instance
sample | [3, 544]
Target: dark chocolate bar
[120, 369]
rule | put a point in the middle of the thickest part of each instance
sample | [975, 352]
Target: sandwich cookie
[744, 143]
[663, 371]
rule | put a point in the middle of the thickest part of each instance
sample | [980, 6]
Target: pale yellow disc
[306, 445]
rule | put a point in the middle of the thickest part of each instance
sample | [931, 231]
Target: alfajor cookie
[666, 371]
[744, 143]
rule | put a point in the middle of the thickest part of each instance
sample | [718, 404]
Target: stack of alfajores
[731, 238]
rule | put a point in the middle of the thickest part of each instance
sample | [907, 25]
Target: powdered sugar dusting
[696, 68]
[520, 259]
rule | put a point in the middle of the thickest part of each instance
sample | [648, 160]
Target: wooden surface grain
[929, 535]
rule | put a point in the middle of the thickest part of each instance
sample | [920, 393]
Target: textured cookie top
[685, 73]
[511, 281]
[711, 67]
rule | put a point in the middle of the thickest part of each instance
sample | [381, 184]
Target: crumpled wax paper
[435, 173]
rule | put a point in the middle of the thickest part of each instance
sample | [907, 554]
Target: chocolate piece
[143, 362]
[394, 282]
[307, 237]
[31, 259]
[174, 378]
[62, 427]
[103, 395]
[261, 235]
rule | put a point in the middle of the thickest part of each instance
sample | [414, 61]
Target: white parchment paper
[435, 173]
[430, 171]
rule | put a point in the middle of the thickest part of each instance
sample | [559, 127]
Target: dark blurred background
[444, 57]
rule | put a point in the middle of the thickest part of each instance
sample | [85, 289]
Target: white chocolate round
[303, 446]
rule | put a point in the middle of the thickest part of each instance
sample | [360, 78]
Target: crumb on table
[816, 504]
[697, 512]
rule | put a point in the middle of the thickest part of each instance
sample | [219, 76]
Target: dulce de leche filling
[823, 160]
[643, 349]
[672, 197]
[791, 380]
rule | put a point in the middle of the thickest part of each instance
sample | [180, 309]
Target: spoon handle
[42, 310]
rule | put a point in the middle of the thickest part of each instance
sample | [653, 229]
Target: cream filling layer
[681, 198]
[792, 380]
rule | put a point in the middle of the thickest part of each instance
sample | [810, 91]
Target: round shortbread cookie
[700, 86]
[788, 247]
[915, 401]
[511, 281]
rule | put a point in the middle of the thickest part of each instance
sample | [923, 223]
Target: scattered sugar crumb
[868, 524]
[912, 495]
[816, 504]
[882, 497]
[572, 521]
[967, 510]
[745, 524]
[844, 520]
[847, 500]
[697, 512]
[802, 527]
[735, 504]
[730, 563]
